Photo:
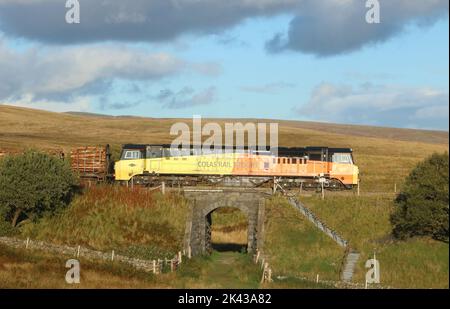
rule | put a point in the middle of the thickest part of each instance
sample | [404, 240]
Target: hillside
[22, 127]
[295, 248]
[384, 155]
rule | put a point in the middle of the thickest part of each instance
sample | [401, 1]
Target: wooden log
[90, 160]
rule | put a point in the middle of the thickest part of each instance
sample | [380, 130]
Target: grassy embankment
[297, 249]
[20, 268]
[134, 222]
[364, 221]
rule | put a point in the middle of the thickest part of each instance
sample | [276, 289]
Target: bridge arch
[204, 203]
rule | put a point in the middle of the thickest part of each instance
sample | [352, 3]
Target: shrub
[32, 184]
[422, 206]
[5, 228]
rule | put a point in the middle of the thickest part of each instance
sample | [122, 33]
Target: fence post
[28, 241]
[266, 273]
[163, 187]
[189, 252]
[179, 257]
[78, 251]
[263, 275]
[112, 255]
[154, 266]
[323, 192]
[395, 187]
[317, 278]
[358, 188]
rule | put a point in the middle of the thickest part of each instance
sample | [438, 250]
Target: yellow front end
[213, 164]
[125, 169]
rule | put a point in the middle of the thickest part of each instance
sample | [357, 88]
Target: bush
[5, 228]
[422, 206]
[33, 184]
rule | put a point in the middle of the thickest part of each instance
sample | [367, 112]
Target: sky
[314, 60]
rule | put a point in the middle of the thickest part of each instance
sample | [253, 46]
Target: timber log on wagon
[92, 163]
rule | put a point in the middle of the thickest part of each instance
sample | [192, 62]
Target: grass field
[104, 220]
[21, 268]
[133, 222]
[229, 229]
[296, 248]
[364, 222]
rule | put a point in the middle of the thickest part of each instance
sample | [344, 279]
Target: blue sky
[396, 75]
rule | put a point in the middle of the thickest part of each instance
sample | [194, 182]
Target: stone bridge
[205, 202]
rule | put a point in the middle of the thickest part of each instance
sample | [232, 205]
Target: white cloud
[270, 88]
[433, 112]
[63, 74]
[186, 97]
[391, 105]
[80, 104]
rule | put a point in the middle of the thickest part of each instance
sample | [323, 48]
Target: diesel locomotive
[307, 167]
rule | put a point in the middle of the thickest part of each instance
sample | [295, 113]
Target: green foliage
[33, 184]
[422, 206]
[5, 228]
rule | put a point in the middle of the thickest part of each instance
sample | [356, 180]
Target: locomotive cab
[343, 166]
[137, 159]
[132, 162]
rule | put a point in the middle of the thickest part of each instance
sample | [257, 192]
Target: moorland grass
[294, 247]
[364, 222]
[134, 222]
